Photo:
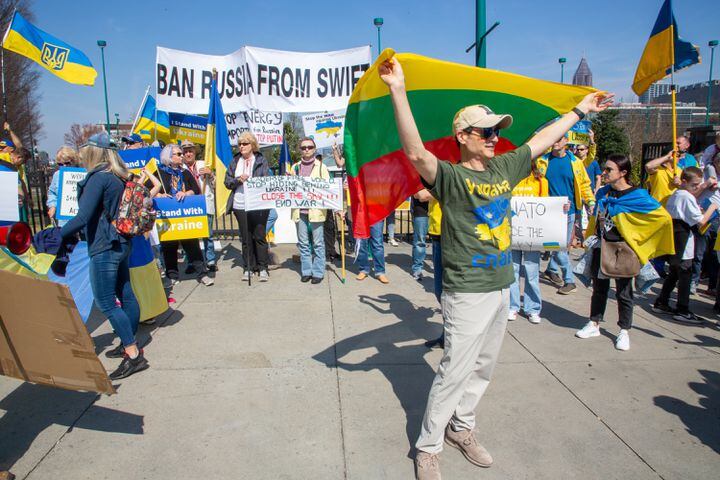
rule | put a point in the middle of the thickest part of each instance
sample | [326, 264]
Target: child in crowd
[685, 212]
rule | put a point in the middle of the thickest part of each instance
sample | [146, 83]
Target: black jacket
[260, 169]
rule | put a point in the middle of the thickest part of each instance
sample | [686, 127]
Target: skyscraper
[657, 89]
[583, 75]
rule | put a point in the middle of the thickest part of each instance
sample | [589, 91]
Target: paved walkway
[285, 380]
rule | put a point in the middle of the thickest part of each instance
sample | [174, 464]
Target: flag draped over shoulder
[218, 153]
[664, 49]
[149, 125]
[641, 220]
[56, 56]
[380, 176]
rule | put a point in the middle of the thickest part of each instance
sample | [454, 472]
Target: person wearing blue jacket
[99, 196]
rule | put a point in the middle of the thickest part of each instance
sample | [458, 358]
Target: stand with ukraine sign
[181, 220]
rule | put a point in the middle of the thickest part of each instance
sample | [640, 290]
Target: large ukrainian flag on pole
[664, 52]
[58, 57]
[218, 153]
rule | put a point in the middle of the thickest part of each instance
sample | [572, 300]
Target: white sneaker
[207, 281]
[393, 242]
[264, 277]
[622, 342]
[589, 330]
[534, 318]
[512, 316]
[246, 276]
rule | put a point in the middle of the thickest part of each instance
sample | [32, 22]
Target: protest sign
[44, 340]
[292, 192]
[9, 210]
[579, 134]
[326, 129]
[259, 78]
[67, 195]
[266, 126]
[188, 127]
[139, 158]
[539, 223]
[181, 220]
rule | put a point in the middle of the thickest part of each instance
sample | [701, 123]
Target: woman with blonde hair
[99, 196]
[65, 157]
[249, 163]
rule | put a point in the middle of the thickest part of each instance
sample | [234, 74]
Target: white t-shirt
[243, 166]
[682, 205]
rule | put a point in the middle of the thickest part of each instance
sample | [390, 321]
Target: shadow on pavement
[393, 357]
[30, 409]
[701, 421]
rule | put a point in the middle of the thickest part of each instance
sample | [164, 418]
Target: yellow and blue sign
[139, 158]
[65, 61]
[579, 134]
[181, 220]
[188, 127]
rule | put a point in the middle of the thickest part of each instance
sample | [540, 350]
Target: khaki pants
[474, 330]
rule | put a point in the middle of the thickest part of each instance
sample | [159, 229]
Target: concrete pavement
[285, 380]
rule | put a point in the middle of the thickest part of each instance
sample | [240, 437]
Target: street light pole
[102, 44]
[562, 61]
[712, 44]
[480, 32]
[378, 22]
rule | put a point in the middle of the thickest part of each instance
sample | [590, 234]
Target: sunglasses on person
[307, 147]
[485, 133]
[244, 144]
[64, 164]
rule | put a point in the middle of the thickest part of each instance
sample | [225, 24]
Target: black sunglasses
[242, 144]
[485, 133]
[307, 147]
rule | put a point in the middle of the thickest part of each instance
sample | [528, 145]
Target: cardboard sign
[181, 220]
[539, 223]
[67, 196]
[326, 129]
[262, 193]
[259, 78]
[9, 211]
[579, 134]
[44, 341]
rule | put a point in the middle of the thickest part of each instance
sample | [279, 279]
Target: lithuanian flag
[218, 153]
[380, 176]
[642, 222]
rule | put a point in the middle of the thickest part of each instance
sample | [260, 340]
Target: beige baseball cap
[187, 144]
[479, 116]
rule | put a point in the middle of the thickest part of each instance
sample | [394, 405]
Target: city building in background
[583, 75]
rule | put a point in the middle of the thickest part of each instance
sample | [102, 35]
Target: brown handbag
[618, 260]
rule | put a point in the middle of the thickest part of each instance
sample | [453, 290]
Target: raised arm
[13, 136]
[593, 102]
[339, 159]
[424, 162]
[653, 165]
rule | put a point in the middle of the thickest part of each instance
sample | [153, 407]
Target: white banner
[292, 192]
[539, 223]
[325, 128]
[9, 210]
[266, 126]
[255, 78]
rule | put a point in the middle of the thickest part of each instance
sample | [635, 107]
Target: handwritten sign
[67, 197]
[325, 128]
[181, 220]
[262, 193]
[579, 134]
[539, 223]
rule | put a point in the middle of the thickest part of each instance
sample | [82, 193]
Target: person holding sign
[178, 182]
[99, 196]
[249, 163]
[477, 265]
[310, 221]
[65, 157]
[205, 178]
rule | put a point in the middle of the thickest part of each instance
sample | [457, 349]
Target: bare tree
[21, 81]
[78, 134]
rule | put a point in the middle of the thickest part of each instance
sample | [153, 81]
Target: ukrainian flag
[642, 222]
[145, 279]
[148, 123]
[218, 153]
[58, 57]
[664, 50]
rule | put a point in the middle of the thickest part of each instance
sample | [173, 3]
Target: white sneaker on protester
[622, 342]
[207, 281]
[534, 318]
[589, 330]
[512, 316]
[393, 242]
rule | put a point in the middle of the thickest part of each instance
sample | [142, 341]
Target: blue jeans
[312, 261]
[530, 262]
[437, 268]
[561, 259]
[375, 245]
[272, 218]
[390, 222]
[420, 230]
[209, 243]
[110, 278]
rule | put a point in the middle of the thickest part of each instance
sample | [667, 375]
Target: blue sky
[531, 37]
